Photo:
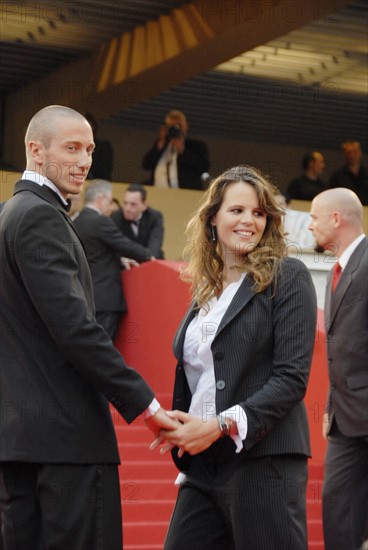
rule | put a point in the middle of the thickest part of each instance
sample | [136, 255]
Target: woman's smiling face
[240, 222]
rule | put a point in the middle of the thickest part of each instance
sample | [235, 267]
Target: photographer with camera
[174, 160]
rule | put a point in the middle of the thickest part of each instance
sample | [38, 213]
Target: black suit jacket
[104, 245]
[346, 318]
[262, 355]
[192, 163]
[58, 367]
[150, 230]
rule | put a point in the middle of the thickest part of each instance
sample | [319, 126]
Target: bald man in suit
[337, 225]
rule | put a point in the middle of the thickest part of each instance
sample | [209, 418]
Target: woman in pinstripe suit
[244, 352]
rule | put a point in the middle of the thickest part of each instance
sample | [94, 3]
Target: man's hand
[162, 138]
[325, 423]
[128, 263]
[160, 421]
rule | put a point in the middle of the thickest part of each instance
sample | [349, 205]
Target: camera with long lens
[174, 131]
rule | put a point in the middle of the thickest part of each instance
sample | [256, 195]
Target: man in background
[353, 175]
[309, 184]
[105, 245]
[337, 226]
[174, 159]
[139, 222]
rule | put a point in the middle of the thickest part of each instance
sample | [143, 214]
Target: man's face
[318, 164]
[68, 157]
[352, 153]
[322, 225]
[133, 206]
[105, 204]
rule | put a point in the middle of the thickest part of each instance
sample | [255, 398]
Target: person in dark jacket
[140, 222]
[105, 246]
[174, 159]
[309, 184]
[353, 175]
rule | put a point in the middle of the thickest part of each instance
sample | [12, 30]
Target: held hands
[191, 434]
[160, 421]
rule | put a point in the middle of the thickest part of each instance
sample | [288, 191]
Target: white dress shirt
[167, 169]
[198, 362]
[41, 180]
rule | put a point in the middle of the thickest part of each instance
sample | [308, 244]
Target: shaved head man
[59, 483]
[336, 219]
[337, 226]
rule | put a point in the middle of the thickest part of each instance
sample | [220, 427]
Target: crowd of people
[62, 300]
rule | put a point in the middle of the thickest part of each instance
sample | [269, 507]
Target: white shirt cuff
[237, 414]
[151, 409]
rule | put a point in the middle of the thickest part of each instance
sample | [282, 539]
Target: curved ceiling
[307, 87]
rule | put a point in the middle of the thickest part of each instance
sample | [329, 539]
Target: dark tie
[336, 274]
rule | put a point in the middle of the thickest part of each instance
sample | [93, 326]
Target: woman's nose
[246, 217]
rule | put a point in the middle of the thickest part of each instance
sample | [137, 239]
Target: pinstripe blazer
[262, 355]
[346, 319]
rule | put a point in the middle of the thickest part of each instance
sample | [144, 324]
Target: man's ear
[145, 205]
[336, 216]
[37, 150]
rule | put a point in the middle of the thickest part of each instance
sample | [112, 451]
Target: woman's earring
[213, 231]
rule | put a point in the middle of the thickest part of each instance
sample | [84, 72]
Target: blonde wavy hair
[205, 261]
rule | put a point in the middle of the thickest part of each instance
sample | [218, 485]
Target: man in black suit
[174, 159]
[139, 222]
[337, 225]
[59, 485]
[104, 246]
[309, 184]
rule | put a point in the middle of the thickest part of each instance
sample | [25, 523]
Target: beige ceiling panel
[176, 47]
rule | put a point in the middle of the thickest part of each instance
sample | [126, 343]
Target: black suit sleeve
[50, 268]
[111, 237]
